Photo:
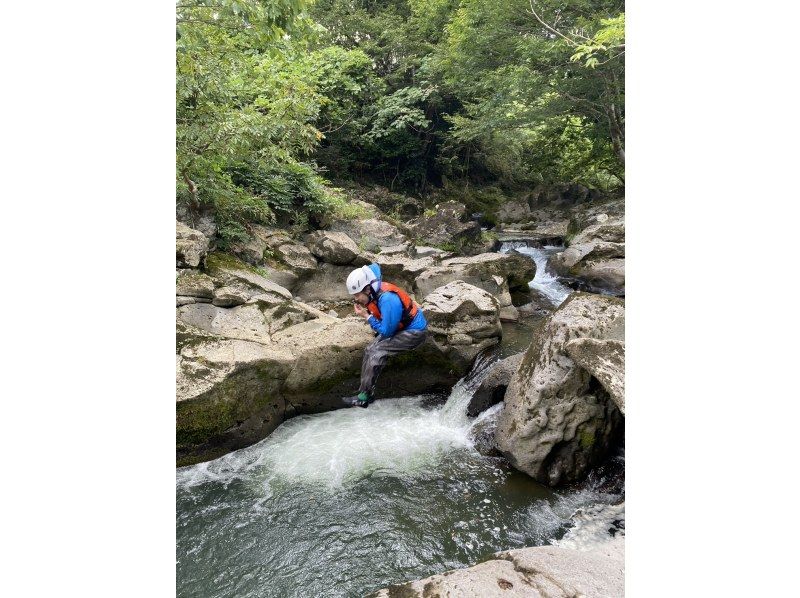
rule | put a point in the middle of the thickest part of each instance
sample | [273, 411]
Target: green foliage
[408, 93]
[531, 111]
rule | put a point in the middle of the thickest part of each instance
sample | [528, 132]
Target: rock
[335, 248]
[605, 360]
[404, 271]
[230, 297]
[183, 300]
[514, 211]
[327, 284]
[612, 231]
[280, 276]
[423, 251]
[509, 314]
[595, 258]
[371, 234]
[244, 322]
[227, 396]
[190, 246]
[493, 388]
[245, 279]
[496, 273]
[403, 249]
[191, 283]
[280, 251]
[607, 275]
[447, 226]
[558, 421]
[201, 219]
[463, 320]
[538, 572]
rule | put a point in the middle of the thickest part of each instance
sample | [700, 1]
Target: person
[398, 321]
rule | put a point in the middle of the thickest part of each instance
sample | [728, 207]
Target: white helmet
[359, 278]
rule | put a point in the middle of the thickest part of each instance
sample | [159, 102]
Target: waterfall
[544, 282]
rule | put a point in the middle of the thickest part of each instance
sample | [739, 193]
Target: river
[347, 502]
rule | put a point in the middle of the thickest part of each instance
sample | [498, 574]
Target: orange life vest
[409, 307]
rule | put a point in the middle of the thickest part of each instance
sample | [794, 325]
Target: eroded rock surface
[558, 420]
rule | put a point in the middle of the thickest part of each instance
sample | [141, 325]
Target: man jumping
[399, 322]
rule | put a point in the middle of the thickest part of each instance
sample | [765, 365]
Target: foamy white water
[400, 436]
[543, 282]
[342, 503]
[591, 525]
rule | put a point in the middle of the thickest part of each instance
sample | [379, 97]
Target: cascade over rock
[493, 388]
[558, 420]
[257, 355]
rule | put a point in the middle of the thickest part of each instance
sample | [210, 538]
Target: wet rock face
[559, 420]
[191, 246]
[539, 572]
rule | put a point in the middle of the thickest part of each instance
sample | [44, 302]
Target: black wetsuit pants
[378, 352]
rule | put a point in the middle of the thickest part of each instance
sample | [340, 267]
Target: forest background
[282, 103]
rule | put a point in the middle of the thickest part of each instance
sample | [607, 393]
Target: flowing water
[346, 502]
[544, 282]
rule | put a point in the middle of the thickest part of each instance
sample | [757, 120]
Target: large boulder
[595, 258]
[335, 248]
[514, 211]
[537, 572]
[448, 226]
[190, 246]
[326, 285]
[463, 321]
[558, 420]
[193, 283]
[230, 272]
[493, 388]
[370, 234]
[609, 230]
[496, 273]
[228, 394]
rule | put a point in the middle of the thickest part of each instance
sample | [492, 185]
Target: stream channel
[347, 502]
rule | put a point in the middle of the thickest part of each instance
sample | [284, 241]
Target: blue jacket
[392, 311]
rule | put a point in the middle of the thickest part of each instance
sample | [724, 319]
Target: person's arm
[391, 313]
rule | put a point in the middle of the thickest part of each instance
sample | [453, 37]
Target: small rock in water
[486, 500]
